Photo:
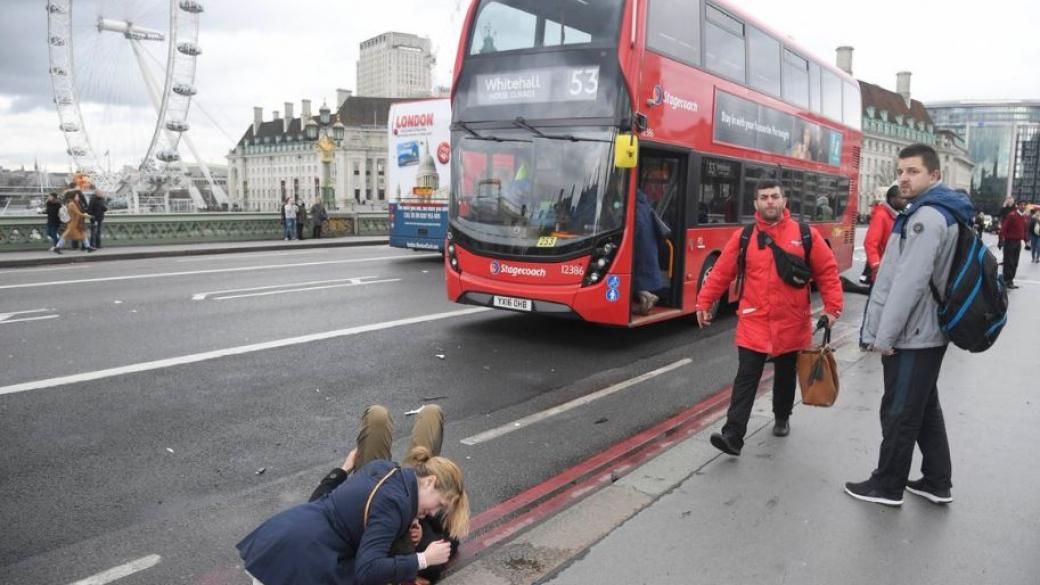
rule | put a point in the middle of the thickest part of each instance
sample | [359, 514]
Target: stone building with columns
[893, 120]
[274, 159]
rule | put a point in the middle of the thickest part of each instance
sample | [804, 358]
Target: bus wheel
[709, 265]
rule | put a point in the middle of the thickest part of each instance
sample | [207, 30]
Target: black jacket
[52, 208]
[97, 208]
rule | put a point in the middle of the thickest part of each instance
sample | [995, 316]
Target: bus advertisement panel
[418, 173]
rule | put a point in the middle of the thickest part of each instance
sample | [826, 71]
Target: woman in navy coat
[328, 542]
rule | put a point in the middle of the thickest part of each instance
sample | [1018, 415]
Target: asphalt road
[141, 399]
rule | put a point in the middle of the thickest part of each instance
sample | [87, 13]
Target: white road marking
[5, 318]
[194, 272]
[44, 318]
[540, 416]
[292, 290]
[249, 255]
[121, 571]
[48, 269]
[204, 295]
[231, 351]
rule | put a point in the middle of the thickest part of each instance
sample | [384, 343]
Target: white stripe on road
[220, 353]
[203, 295]
[250, 255]
[540, 416]
[6, 321]
[49, 269]
[194, 272]
[292, 290]
[121, 571]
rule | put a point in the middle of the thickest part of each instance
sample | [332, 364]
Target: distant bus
[562, 110]
[419, 173]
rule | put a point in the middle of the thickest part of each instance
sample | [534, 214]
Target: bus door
[662, 179]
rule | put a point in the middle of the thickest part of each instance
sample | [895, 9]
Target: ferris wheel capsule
[59, 71]
[77, 151]
[190, 49]
[177, 126]
[56, 41]
[69, 127]
[191, 6]
[168, 156]
[185, 89]
[55, 9]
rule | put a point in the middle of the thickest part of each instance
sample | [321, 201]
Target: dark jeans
[316, 232]
[910, 413]
[95, 233]
[299, 230]
[52, 233]
[1012, 249]
[745, 386]
[1034, 243]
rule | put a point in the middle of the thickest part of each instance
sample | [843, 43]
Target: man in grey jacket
[902, 323]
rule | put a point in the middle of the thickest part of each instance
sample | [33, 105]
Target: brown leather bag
[818, 373]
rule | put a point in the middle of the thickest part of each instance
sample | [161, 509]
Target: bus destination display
[544, 85]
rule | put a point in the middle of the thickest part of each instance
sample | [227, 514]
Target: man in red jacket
[1012, 234]
[774, 317]
[882, 218]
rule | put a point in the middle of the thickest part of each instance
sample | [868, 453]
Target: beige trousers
[376, 436]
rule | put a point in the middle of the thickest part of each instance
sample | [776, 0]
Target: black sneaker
[725, 444]
[922, 488]
[782, 427]
[866, 491]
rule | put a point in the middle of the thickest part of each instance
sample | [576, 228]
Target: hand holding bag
[818, 372]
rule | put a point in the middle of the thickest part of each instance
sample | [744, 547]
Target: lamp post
[326, 146]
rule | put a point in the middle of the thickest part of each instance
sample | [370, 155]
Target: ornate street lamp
[326, 146]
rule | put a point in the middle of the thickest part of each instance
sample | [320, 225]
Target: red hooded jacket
[1013, 227]
[774, 317]
[882, 218]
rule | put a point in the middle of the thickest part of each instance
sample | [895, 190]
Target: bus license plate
[512, 303]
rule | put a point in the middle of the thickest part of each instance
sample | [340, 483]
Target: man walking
[96, 210]
[289, 218]
[774, 314]
[318, 217]
[53, 209]
[902, 323]
[1012, 235]
[881, 220]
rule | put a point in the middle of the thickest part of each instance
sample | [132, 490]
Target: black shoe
[782, 427]
[725, 444]
[922, 488]
[1012, 285]
[866, 491]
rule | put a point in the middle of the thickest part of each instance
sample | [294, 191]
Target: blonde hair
[449, 483]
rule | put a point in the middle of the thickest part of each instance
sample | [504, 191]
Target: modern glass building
[1003, 139]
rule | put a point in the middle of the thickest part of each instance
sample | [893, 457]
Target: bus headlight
[602, 257]
[450, 252]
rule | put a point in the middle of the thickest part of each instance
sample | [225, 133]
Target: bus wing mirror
[626, 150]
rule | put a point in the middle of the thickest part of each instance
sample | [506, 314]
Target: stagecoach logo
[502, 268]
[661, 96]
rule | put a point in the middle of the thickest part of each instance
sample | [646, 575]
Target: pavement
[42, 257]
[778, 514]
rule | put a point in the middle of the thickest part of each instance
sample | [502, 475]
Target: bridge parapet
[30, 232]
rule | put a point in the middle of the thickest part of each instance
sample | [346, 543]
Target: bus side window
[792, 182]
[754, 173]
[810, 191]
[720, 189]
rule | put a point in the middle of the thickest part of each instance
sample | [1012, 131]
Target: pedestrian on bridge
[882, 218]
[301, 218]
[318, 217]
[360, 525]
[289, 219]
[76, 227]
[774, 315]
[1012, 236]
[53, 209]
[902, 323]
[96, 208]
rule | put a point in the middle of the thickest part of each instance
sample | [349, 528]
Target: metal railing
[30, 232]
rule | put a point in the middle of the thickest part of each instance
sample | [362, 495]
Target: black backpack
[745, 239]
[974, 309]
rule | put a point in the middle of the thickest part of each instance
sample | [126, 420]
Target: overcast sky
[267, 52]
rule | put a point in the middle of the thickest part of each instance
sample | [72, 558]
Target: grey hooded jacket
[901, 312]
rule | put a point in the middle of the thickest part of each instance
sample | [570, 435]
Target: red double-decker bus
[562, 110]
